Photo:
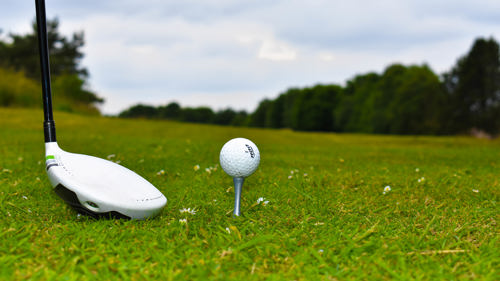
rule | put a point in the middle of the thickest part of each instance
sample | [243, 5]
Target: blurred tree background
[401, 100]
[473, 86]
[20, 71]
[173, 111]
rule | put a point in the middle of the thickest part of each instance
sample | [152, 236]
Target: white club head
[99, 187]
[91, 185]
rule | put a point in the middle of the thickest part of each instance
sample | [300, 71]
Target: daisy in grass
[386, 189]
[263, 201]
[188, 210]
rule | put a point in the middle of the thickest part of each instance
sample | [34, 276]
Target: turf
[327, 216]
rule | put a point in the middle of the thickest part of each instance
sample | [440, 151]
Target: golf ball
[239, 158]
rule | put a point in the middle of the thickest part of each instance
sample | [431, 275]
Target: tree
[417, 102]
[170, 111]
[278, 113]
[197, 115]
[19, 53]
[65, 55]
[403, 100]
[355, 109]
[73, 87]
[474, 88]
[241, 119]
[224, 117]
[314, 108]
[274, 114]
[259, 116]
[140, 111]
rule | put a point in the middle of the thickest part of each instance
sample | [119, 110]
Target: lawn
[327, 216]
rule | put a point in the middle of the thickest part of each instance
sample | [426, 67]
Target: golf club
[91, 185]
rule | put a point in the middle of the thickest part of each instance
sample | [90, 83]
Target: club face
[100, 187]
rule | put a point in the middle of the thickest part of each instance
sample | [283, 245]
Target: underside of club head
[101, 188]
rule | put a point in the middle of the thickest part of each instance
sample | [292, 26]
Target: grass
[327, 216]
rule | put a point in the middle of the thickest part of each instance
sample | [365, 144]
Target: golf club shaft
[43, 46]
[238, 184]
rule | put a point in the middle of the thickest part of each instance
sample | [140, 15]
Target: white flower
[475, 190]
[417, 170]
[321, 250]
[161, 172]
[421, 179]
[196, 167]
[188, 210]
[386, 189]
[263, 201]
[25, 198]
[228, 230]
[208, 170]
[183, 221]
[290, 177]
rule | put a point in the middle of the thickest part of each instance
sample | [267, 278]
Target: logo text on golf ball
[252, 154]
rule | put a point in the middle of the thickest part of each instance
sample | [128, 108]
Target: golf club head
[101, 188]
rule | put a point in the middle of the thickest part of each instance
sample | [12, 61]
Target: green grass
[328, 220]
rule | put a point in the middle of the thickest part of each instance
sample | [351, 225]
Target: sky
[235, 53]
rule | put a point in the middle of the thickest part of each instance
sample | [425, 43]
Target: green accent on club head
[50, 157]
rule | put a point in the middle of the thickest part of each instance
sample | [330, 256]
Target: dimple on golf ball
[239, 157]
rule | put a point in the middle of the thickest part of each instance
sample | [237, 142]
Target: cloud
[276, 51]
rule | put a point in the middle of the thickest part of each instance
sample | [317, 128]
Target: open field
[327, 217]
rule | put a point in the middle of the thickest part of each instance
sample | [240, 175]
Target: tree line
[400, 100]
[173, 111]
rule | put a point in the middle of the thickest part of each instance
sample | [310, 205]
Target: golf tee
[238, 184]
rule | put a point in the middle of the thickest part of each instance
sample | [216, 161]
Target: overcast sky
[230, 53]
